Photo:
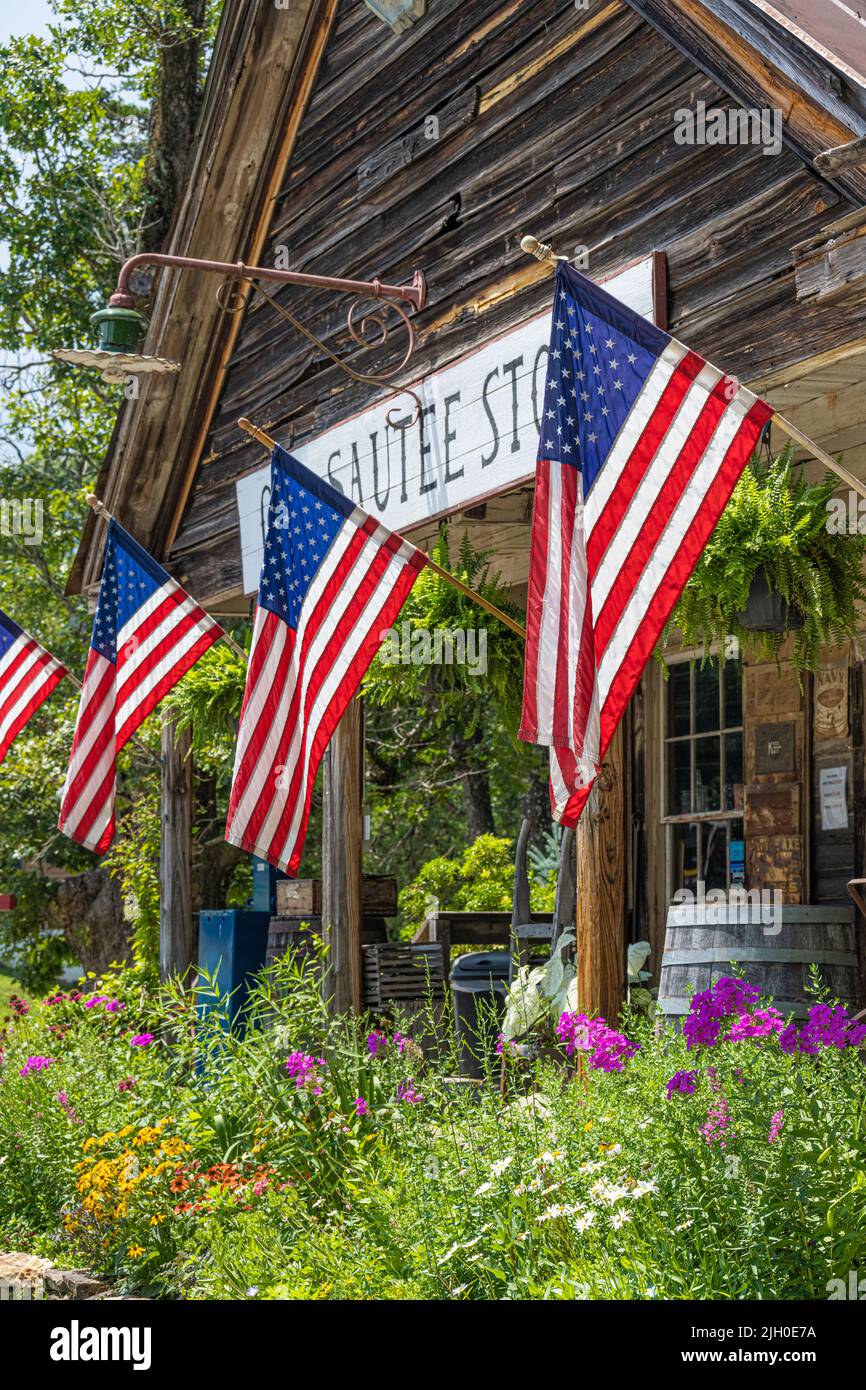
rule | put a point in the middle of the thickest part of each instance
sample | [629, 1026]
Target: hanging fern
[208, 701]
[775, 522]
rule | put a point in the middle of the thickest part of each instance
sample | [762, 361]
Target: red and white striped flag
[642, 442]
[332, 583]
[147, 633]
[28, 674]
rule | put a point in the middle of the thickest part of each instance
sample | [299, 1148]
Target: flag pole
[101, 510]
[264, 438]
[533, 247]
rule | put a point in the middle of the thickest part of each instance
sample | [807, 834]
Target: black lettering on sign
[379, 503]
[425, 446]
[450, 436]
[357, 487]
[402, 428]
[331, 479]
[488, 458]
[541, 354]
[511, 369]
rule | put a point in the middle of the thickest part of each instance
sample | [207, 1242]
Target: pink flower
[36, 1064]
[361, 1107]
[127, 1084]
[377, 1041]
[304, 1069]
[608, 1049]
[141, 1040]
[406, 1092]
[776, 1122]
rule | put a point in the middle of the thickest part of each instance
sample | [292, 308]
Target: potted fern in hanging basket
[773, 568]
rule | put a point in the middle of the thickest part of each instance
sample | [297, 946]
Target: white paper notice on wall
[834, 809]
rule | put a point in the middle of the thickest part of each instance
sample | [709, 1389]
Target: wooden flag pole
[542, 252]
[249, 428]
[101, 510]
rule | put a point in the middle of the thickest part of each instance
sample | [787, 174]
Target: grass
[8, 986]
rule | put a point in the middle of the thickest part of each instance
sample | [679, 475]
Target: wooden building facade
[329, 144]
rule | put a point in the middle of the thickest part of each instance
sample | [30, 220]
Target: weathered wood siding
[550, 120]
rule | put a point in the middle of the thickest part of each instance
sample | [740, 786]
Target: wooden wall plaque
[775, 749]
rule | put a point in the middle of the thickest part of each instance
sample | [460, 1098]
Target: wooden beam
[178, 938]
[260, 79]
[601, 890]
[342, 849]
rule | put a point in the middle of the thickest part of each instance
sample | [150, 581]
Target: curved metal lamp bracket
[413, 294]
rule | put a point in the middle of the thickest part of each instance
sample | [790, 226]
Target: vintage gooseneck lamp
[122, 330]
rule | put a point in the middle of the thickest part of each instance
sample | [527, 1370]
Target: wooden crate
[299, 934]
[402, 970]
[301, 897]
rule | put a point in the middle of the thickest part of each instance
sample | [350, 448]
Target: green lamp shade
[120, 330]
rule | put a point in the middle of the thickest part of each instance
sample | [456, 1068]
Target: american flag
[147, 633]
[642, 442]
[28, 674]
[332, 583]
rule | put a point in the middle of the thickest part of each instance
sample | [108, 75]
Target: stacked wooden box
[298, 921]
[401, 972]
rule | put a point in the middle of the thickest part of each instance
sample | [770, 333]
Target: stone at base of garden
[73, 1284]
[17, 1267]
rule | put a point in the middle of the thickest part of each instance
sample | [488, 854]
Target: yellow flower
[134, 1251]
[155, 1220]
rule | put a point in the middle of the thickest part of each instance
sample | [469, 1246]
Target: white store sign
[477, 435]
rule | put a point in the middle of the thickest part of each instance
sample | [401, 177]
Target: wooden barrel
[706, 941]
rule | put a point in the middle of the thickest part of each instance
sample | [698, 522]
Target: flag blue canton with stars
[600, 357]
[304, 516]
[129, 578]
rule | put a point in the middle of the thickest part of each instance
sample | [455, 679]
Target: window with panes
[703, 774]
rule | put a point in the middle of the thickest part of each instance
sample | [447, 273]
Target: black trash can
[478, 986]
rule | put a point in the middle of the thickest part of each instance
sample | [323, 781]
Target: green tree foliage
[79, 127]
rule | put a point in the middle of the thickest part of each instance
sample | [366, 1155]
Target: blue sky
[23, 17]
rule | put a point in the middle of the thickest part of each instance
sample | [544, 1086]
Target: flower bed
[308, 1159]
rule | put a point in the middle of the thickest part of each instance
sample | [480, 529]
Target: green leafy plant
[435, 605]
[481, 879]
[775, 523]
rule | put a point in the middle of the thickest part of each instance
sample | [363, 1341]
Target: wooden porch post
[601, 860]
[177, 935]
[341, 861]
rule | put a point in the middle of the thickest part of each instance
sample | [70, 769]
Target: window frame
[731, 652]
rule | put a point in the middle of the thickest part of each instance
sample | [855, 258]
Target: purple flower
[683, 1083]
[377, 1041]
[126, 1085]
[97, 999]
[304, 1070]
[709, 1010]
[776, 1123]
[406, 1092]
[825, 1027]
[361, 1107]
[608, 1049]
[113, 1006]
[141, 1040]
[763, 1023]
[36, 1064]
